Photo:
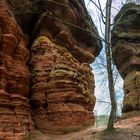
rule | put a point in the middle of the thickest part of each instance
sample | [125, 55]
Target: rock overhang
[126, 38]
[55, 17]
[126, 55]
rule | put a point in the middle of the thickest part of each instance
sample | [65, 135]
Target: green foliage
[101, 120]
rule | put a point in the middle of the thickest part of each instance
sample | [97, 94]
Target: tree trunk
[109, 67]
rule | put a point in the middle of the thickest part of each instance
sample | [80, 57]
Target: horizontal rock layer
[126, 55]
[68, 23]
[15, 116]
[62, 84]
[62, 88]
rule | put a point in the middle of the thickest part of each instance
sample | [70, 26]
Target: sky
[101, 92]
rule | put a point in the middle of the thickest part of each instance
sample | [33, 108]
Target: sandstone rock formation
[62, 88]
[62, 84]
[59, 97]
[15, 113]
[126, 55]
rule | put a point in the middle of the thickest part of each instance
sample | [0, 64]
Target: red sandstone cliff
[15, 111]
[62, 85]
[54, 93]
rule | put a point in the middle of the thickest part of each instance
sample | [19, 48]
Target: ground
[125, 129]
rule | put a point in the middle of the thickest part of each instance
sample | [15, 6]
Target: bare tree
[106, 19]
[109, 67]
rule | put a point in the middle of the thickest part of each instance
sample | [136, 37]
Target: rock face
[15, 113]
[62, 84]
[62, 88]
[56, 92]
[126, 55]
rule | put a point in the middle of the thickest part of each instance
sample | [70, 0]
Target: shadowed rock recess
[126, 55]
[54, 93]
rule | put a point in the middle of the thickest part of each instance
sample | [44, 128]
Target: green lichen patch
[42, 39]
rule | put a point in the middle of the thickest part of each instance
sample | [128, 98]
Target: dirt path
[126, 129]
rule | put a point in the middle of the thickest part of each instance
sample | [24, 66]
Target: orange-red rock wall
[62, 83]
[15, 113]
[62, 91]
[49, 86]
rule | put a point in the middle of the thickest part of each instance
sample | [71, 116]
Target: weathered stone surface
[62, 84]
[132, 92]
[125, 39]
[23, 11]
[62, 88]
[68, 23]
[126, 55]
[15, 116]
